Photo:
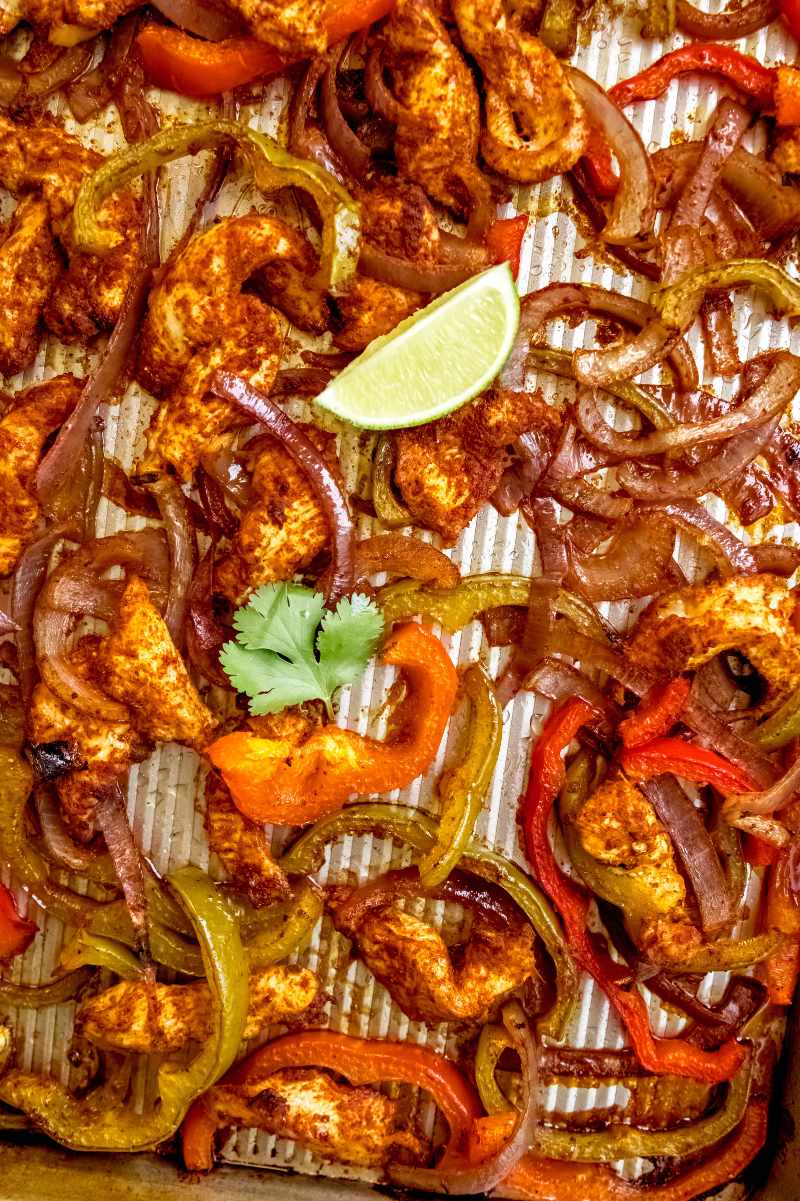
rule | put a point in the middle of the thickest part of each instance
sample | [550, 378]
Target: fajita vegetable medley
[361, 292]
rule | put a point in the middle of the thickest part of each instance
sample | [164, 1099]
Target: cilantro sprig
[289, 648]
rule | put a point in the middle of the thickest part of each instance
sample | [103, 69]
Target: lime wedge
[434, 361]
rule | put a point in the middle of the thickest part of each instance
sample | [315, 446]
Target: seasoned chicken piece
[140, 666]
[36, 412]
[29, 268]
[109, 747]
[136, 1016]
[192, 419]
[283, 528]
[93, 14]
[448, 469]
[398, 217]
[242, 847]
[12, 12]
[289, 284]
[410, 959]
[294, 27]
[619, 827]
[44, 159]
[370, 308]
[786, 150]
[535, 124]
[438, 120]
[752, 614]
[352, 1124]
[199, 299]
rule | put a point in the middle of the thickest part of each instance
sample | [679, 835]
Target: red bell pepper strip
[657, 713]
[599, 165]
[663, 1056]
[790, 11]
[360, 1060]
[504, 241]
[757, 852]
[174, 60]
[535, 1179]
[746, 74]
[16, 933]
[684, 759]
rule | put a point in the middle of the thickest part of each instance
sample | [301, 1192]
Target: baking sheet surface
[165, 791]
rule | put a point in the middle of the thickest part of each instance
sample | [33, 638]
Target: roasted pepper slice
[782, 913]
[657, 713]
[462, 791]
[319, 776]
[418, 830]
[504, 241]
[39, 996]
[685, 759]
[746, 73]
[672, 1056]
[174, 60]
[455, 607]
[360, 1060]
[388, 509]
[679, 303]
[77, 1123]
[781, 726]
[16, 933]
[272, 167]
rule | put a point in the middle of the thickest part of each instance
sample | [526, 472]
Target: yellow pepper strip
[39, 996]
[388, 509]
[419, 830]
[679, 303]
[277, 940]
[272, 167]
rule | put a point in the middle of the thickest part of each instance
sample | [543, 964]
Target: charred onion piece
[326, 489]
[182, 551]
[112, 818]
[203, 20]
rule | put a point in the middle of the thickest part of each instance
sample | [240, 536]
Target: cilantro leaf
[348, 639]
[289, 649]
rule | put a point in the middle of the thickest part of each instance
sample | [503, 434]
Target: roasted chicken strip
[29, 268]
[43, 159]
[438, 115]
[34, 415]
[352, 1124]
[411, 960]
[447, 470]
[535, 124]
[146, 1019]
[242, 847]
[140, 666]
[283, 528]
[752, 614]
[108, 747]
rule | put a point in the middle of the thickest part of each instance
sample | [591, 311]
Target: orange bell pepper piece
[16, 933]
[535, 1179]
[782, 913]
[787, 95]
[271, 781]
[173, 59]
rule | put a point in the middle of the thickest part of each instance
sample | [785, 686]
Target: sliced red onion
[769, 800]
[405, 273]
[558, 681]
[346, 144]
[378, 94]
[733, 235]
[580, 495]
[591, 653]
[661, 484]
[574, 456]
[324, 484]
[205, 635]
[28, 579]
[695, 849]
[633, 208]
[10, 81]
[715, 733]
[731, 554]
[60, 849]
[729, 124]
[542, 516]
[534, 644]
[67, 67]
[218, 516]
[112, 818]
[482, 1178]
[627, 359]
[764, 828]
[778, 558]
[7, 624]
[725, 26]
[633, 565]
[463, 252]
[479, 895]
[716, 319]
[594, 210]
[203, 20]
[182, 551]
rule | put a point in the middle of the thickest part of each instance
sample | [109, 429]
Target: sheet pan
[165, 792]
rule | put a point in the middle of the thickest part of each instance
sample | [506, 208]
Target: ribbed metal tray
[165, 791]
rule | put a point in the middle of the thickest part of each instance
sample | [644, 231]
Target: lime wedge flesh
[434, 361]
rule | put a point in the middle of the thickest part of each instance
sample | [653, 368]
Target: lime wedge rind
[433, 362]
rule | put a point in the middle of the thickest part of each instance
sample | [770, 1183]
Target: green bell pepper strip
[616, 1141]
[462, 790]
[70, 1121]
[559, 362]
[679, 303]
[292, 931]
[92, 950]
[272, 167]
[388, 509]
[39, 996]
[418, 830]
[455, 607]
[781, 726]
